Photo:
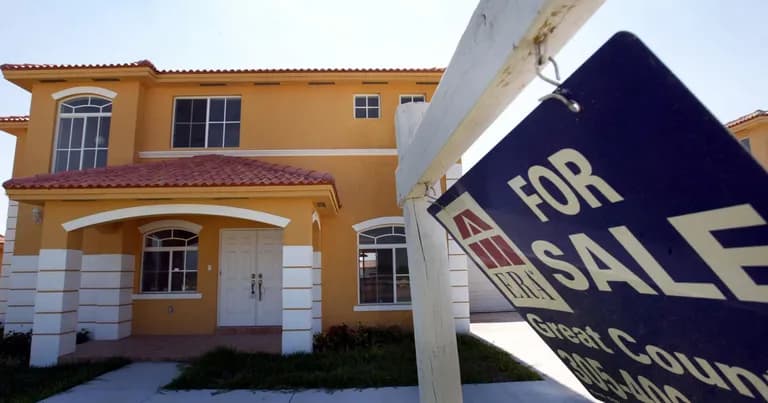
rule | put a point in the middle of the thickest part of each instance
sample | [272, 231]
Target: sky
[717, 48]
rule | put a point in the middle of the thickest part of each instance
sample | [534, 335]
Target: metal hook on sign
[572, 105]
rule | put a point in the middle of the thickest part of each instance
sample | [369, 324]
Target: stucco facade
[81, 238]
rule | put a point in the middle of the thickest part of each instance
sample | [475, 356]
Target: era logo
[492, 250]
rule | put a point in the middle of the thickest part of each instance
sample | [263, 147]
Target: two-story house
[148, 201]
[752, 132]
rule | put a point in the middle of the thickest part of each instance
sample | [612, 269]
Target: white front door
[250, 278]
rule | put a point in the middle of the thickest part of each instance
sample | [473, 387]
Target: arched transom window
[82, 135]
[169, 263]
[383, 266]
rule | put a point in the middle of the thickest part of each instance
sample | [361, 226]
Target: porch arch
[165, 209]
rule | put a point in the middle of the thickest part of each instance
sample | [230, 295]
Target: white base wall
[297, 299]
[106, 286]
[317, 293]
[8, 247]
[21, 294]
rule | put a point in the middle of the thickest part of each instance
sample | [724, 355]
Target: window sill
[167, 296]
[382, 307]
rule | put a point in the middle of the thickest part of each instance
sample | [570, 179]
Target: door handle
[260, 283]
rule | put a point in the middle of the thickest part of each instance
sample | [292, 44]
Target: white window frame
[170, 250]
[411, 96]
[380, 306]
[366, 107]
[72, 115]
[208, 119]
[746, 144]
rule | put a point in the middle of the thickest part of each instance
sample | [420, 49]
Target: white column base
[317, 293]
[46, 349]
[106, 285]
[297, 299]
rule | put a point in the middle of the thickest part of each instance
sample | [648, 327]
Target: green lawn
[388, 363]
[19, 383]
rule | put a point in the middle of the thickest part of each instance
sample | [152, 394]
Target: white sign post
[495, 59]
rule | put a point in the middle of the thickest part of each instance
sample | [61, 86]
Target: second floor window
[366, 106]
[206, 122]
[82, 137]
[404, 99]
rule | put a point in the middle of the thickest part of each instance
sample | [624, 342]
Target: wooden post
[494, 61]
[434, 330]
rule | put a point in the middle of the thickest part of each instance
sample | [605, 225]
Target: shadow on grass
[19, 383]
[386, 364]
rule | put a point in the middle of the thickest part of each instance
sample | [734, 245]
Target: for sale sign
[631, 235]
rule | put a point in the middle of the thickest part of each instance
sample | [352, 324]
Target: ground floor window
[383, 266]
[169, 261]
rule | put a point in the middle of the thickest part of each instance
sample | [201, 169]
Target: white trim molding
[375, 222]
[382, 307]
[84, 90]
[167, 224]
[149, 296]
[304, 152]
[163, 209]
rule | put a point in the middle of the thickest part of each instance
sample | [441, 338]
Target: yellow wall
[757, 132]
[294, 115]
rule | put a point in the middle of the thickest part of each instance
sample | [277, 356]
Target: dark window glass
[91, 129]
[163, 234]
[378, 231]
[192, 241]
[401, 260]
[103, 139]
[366, 241]
[65, 109]
[232, 135]
[89, 159]
[360, 113]
[217, 110]
[373, 101]
[359, 101]
[87, 109]
[233, 110]
[181, 135]
[418, 99]
[61, 161]
[199, 110]
[107, 108]
[197, 135]
[77, 133]
[99, 101]
[101, 158]
[74, 160]
[183, 110]
[391, 239]
[78, 101]
[399, 230]
[65, 125]
[403, 288]
[170, 242]
[190, 281]
[216, 135]
[191, 262]
[373, 113]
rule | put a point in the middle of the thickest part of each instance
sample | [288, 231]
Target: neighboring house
[147, 201]
[752, 132]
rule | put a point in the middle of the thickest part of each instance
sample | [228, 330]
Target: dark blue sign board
[631, 235]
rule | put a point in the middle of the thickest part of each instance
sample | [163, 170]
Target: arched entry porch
[92, 269]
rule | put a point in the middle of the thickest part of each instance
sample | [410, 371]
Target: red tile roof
[200, 171]
[746, 118]
[4, 119]
[147, 63]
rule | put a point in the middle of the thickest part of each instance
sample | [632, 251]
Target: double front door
[250, 278]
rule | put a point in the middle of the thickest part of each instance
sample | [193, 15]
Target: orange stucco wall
[757, 132]
[293, 115]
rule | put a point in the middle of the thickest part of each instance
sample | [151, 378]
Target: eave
[317, 193]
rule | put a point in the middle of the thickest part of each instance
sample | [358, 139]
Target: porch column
[56, 299]
[106, 282]
[317, 283]
[297, 285]
[5, 268]
[20, 263]
[458, 268]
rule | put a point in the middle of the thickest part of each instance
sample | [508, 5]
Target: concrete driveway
[509, 331]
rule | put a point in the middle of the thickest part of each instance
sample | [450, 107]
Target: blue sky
[717, 48]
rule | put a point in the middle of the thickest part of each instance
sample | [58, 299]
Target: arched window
[82, 135]
[169, 263]
[383, 265]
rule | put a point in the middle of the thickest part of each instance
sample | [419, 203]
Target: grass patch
[388, 363]
[23, 384]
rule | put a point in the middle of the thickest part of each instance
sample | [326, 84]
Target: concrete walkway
[142, 382]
